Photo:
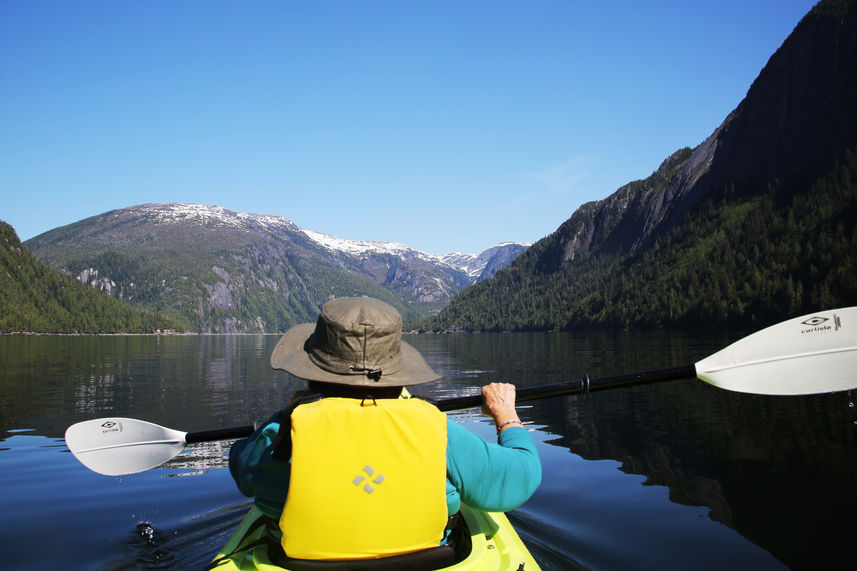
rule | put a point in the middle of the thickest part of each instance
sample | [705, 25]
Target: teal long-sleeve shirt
[485, 476]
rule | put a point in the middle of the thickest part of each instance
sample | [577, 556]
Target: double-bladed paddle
[811, 354]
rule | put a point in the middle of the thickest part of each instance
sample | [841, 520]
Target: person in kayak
[355, 469]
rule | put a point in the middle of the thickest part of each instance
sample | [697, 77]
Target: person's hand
[499, 404]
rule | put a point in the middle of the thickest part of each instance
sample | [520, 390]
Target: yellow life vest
[361, 471]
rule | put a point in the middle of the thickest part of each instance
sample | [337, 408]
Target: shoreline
[172, 334]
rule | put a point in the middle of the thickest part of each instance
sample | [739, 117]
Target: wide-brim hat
[355, 341]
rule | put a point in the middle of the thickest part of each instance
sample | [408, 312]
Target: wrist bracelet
[507, 423]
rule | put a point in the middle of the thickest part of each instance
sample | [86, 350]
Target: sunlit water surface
[678, 475]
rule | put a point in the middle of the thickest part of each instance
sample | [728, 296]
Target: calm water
[678, 475]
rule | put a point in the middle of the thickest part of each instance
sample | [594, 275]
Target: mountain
[476, 267]
[482, 266]
[756, 223]
[36, 299]
[217, 270]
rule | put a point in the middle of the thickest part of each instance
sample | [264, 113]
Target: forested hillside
[739, 260]
[35, 298]
[757, 223]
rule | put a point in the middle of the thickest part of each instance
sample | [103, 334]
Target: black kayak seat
[425, 560]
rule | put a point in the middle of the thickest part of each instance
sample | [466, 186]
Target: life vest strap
[283, 442]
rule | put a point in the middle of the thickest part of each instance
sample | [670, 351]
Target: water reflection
[634, 477]
[50, 382]
[199, 459]
[764, 466]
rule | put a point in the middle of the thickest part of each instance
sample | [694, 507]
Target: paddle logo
[111, 426]
[367, 487]
[818, 324]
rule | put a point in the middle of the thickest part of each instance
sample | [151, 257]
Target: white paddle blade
[811, 354]
[116, 446]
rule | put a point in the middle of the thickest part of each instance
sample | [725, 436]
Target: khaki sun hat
[356, 341]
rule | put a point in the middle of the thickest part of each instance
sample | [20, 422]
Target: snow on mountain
[473, 265]
[210, 215]
[359, 247]
[468, 263]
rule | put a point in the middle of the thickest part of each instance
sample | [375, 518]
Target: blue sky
[447, 126]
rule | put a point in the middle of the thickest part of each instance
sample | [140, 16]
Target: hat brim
[291, 355]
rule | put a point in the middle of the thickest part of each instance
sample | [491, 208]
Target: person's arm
[257, 474]
[494, 477]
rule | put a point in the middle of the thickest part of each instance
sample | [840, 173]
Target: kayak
[494, 544]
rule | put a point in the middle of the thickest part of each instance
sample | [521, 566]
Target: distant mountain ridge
[476, 266]
[218, 270]
[482, 266]
[754, 224]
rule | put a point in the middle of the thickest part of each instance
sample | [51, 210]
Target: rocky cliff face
[800, 110]
[798, 115]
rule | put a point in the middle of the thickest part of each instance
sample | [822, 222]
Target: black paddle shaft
[219, 434]
[584, 386]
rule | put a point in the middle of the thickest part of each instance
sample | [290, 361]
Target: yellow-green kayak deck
[494, 545]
